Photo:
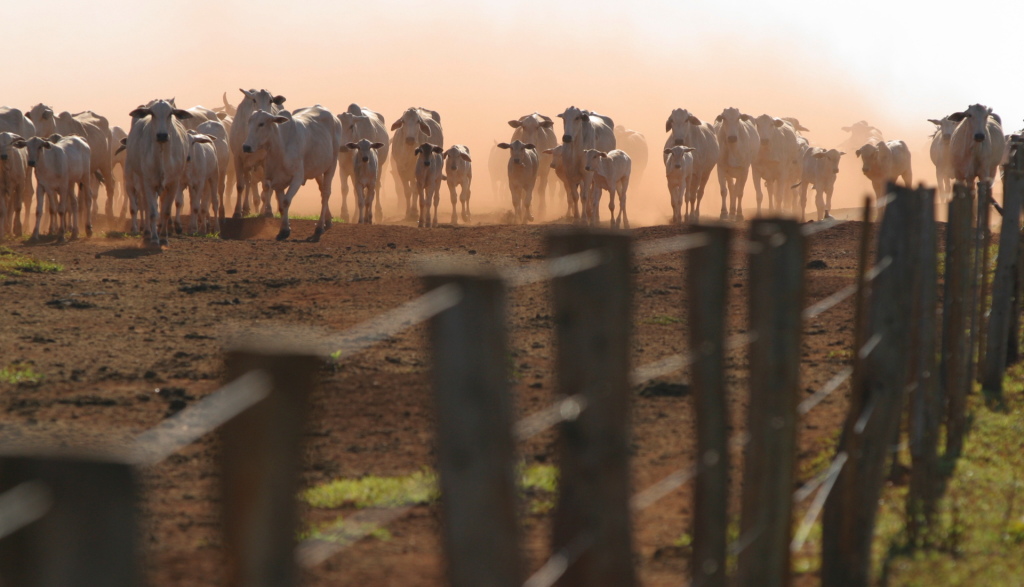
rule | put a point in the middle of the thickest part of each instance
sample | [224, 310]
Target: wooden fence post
[593, 324]
[925, 401]
[994, 366]
[474, 435]
[984, 239]
[956, 314]
[850, 510]
[776, 317]
[88, 535]
[260, 463]
[707, 271]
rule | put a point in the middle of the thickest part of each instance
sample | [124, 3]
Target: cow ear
[668, 125]
[819, 155]
[465, 157]
[668, 151]
[351, 146]
[47, 144]
[55, 137]
[181, 114]
[935, 122]
[279, 119]
[719, 118]
[244, 93]
[376, 145]
[201, 139]
[562, 116]
[20, 144]
[438, 150]
[548, 151]
[515, 123]
[846, 129]
[689, 149]
[397, 125]
[841, 153]
[745, 117]
[694, 121]
[957, 116]
[417, 151]
[444, 155]
[603, 155]
[857, 152]
[279, 100]
[503, 145]
[140, 112]
[222, 115]
[530, 146]
[779, 122]
[424, 128]
[547, 124]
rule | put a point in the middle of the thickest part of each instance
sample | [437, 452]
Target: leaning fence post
[851, 507]
[474, 435]
[85, 531]
[956, 315]
[707, 271]
[593, 313]
[994, 366]
[776, 319]
[984, 239]
[260, 463]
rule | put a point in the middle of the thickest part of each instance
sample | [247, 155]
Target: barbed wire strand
[819, 502]
[23, 504]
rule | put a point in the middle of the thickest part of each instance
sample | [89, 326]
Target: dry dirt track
[160, 321]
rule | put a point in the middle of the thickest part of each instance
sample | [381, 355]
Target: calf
[679, 172]
[15, 184]
[611, 172]
[460, 175]
[202, 175]
[429, 169]
[883, 162]
[359, 123]
[939, 152]
[60, 163]
[522, 176]
[820, 169]
[365, 175]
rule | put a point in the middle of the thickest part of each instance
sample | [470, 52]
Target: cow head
[730, 121]
[39, 113]
[861, 132]
[532, 124]
[262, 126]
[426, 151]
[556, 155]
[263, 100]
[365, 148]
[33, 148]
[796, 124]
[162, 113]
[518, 149]
[194, 139]
[766, 126]
[454, 154]
[679, 123]
[572, 123]
[944, 127]
[676, 157]
[408, 126]
[592, 159]
[976, 119]
[874, 156]
[831, 157]
[7, 141]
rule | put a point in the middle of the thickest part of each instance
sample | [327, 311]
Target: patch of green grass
[20, 374]
[117, 234]
[13, 264]
[337, 531]
[663, 320]
[842, 354]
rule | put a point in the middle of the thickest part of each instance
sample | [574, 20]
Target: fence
[49, 502]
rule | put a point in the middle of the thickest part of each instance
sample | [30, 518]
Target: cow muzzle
[426, 163]
[365, 159]
[246, 149]
[516, 161]
[765, 142]
[31, 162]
[410, 141]
[587, 168]
[732, 139]
[161, 137]
[979, 137]
[566, 138]
[3, 157]
[679, 166]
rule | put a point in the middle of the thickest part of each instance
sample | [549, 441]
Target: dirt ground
[119, 322]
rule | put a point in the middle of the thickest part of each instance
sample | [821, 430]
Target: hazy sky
[892, 62]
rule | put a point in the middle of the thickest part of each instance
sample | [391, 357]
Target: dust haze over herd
[480, 65]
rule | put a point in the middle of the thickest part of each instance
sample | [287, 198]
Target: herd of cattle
[258, 144]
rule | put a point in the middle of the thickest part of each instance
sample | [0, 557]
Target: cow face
[426, 153]
[33, 148]
[365, 149]
[572, 123]
[677, 158]
[518, 150]
[40, 113]
[162, 113]
[766, 126]
[731, 119]
[976, 119]
[831, 158]
[532, 124]
[874, 157]
[679, 123]
[7, 141]
[408, 127]
[348, 123]
[593, 158]
[945, 127]
[262, 126]
[453, 155]
[263, 100]
[861, 132]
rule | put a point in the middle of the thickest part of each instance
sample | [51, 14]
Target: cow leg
[344, 197]
[908, 178]
[455, 202]
[437, 201]
[41, 196]
[755, 175]
[464, 198]
[88, 210]
[542, 190]
[241, 183]
[371, 197]
[613, 222]
[377, 196]
[284, 204]
[723, 185]
[623, 217]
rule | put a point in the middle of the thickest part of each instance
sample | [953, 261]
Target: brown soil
[157, 320]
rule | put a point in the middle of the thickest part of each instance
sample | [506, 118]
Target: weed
[663, 320]
[842, 354]
[20, 374]
[13, 264]
[337, 531]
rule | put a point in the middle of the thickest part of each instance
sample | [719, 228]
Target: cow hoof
[237, 215]
[178, 229]
[829, 216]
[327, 225]
[724, 216]
[284, 234]
[268, 214]
[164, 242]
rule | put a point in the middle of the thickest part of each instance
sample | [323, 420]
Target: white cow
[939, 152]
[459, 169]
[202, 174]
[820, 169]
[249, 173]
[582, 130]
[15, 184]
[686, 130]
[738, 143]
[359, 123]
[883, 161]
[860, 133]
[796, 171]
[977, 144]
[778, 150]
[61, 163]
[216, 131]
[300, 146]
[117, 135]
[679, 172]
[537, 130]
[522, 176]
[365, 175]
[635, 145]
[429, 170]
[415, 127]
[611, 172]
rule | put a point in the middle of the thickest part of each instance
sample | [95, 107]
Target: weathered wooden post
[261, 459]
[956, 315]
[476, 451]
[707, 271]
[925, 400]
[776, 316]
[849, 521]
[87, 535]
[994, 366]
[593, 310]
[981, 256]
